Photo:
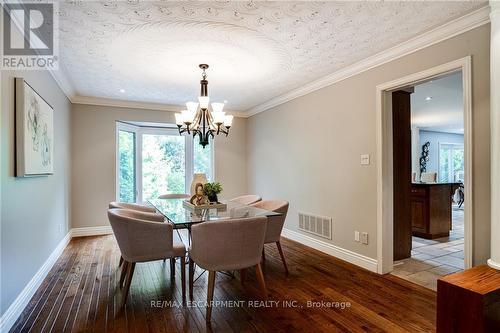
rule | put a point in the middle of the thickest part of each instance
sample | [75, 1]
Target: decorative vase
[198, 178]
[213, 198]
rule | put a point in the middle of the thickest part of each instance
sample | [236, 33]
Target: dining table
[182, 217]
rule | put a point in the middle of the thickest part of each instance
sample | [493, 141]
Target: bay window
[152, 161]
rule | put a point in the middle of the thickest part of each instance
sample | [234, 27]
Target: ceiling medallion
[199, 121]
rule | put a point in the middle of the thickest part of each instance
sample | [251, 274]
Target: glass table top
[175, 212]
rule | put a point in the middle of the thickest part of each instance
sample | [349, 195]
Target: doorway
[428, 154]
[452, 165]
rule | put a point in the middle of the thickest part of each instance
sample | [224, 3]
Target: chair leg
[243, 273]
[210, 294]
[280, 250]
[183, 277]
[263, 254]
[130, 274]
[191, 278]
[172, 268]
[124, 272]
[260, 279]
[121, 261]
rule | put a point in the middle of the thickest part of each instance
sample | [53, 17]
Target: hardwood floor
[79, 296]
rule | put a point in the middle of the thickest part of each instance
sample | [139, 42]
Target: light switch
[365, 159]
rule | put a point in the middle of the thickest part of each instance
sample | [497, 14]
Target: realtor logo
[29, 31]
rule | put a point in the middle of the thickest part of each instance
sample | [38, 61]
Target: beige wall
[34, 211]
[93, 156]
[308, 150]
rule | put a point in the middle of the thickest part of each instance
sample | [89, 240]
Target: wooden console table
[469, 301]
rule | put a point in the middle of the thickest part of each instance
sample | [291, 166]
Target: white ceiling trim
[99, 101]
[434, 36]
[63, 82]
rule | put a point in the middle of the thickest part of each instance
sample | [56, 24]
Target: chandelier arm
[224, 130]
[210, 119]
[183, 130]
[197, 118]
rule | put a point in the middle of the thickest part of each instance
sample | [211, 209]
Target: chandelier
[199, 121]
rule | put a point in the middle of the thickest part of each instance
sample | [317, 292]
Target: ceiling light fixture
[428, 98]
[199, 121]
[122, 90]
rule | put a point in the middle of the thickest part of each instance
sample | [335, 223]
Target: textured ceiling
[256, 50]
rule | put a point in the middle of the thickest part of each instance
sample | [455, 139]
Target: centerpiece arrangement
[204, 195]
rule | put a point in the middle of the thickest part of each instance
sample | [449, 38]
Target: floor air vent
[315, 224]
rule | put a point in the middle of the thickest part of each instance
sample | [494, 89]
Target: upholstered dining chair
[142, 241]
[153, 217]
[226, 245]
[274, 224]
[247, 199]
[174, 196]
[133, 206]
[148, 216]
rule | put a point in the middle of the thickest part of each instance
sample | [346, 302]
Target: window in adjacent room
[451, 163]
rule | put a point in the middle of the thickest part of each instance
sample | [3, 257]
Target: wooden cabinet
[418, 213]
[431, 209]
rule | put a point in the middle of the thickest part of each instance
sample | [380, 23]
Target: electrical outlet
[364, 238]
[356, 236]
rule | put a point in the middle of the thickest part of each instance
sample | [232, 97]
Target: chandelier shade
[199, 121]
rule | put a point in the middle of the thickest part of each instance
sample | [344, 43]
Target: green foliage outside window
[203, 159]
[163, 166]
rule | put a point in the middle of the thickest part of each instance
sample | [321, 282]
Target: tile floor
[433, 258]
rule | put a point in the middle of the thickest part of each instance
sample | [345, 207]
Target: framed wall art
[34, 132]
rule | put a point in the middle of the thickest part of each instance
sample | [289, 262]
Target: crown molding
[100, 101]
[446, 31]
[62, 80]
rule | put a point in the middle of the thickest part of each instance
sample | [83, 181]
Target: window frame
[139, 132]
[130, 129]
[452, 146]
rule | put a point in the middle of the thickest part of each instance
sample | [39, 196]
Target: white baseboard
[333, 250]
[16, 308]
[91, 231]
[10, 316]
